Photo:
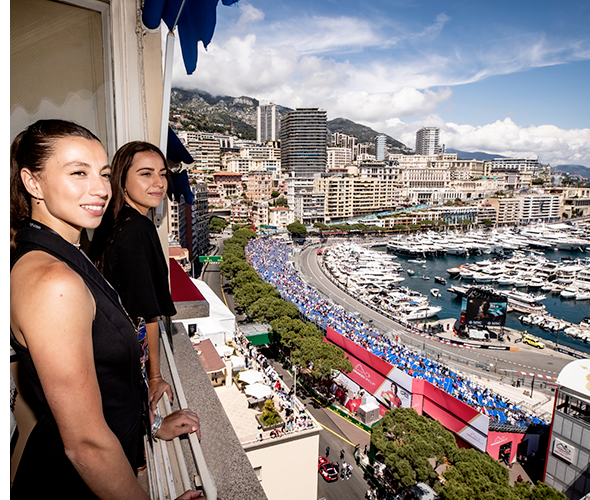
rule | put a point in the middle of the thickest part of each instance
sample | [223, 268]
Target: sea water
[570, 310]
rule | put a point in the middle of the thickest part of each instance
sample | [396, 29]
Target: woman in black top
[75, 341]
[127, 248]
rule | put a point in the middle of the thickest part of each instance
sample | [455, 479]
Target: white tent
[237, 363]
[250, 376]
[258, 391]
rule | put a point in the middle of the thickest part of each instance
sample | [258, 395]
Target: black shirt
[134, 264]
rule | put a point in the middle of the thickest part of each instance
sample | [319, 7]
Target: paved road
[527, 359]
[337, 434]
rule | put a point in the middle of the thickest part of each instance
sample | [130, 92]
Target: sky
[505, 77]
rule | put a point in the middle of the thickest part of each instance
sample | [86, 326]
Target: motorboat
[466, 274]
[435, 292]
[422, 312]
[424, 277]
[410, 272]
[568, 293]
[440, 280]
[583, 295]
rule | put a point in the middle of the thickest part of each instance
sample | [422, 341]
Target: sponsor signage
[481, 311]
[564, 450]
[211, 258]
[391, 386]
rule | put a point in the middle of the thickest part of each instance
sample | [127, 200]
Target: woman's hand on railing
[178, 423]
[158, 386]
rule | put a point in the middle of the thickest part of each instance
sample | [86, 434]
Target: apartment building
[280, 217]
[304, 133]
[486, 211]
[425, 177]
[338, 193]
[530, 165]
[190, 222]
[507, 210]
[338, 157]
[427, 141]
[267, 123]
[260, 214]
[253, 158]
[380, 147]
[309, 208]
[228, 184]
[261, 184]
[539, 208]
[338, 139]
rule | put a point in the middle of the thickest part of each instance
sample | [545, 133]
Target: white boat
[423, 312]
[568, 293]
[519, 283]
[410, 272]
[454, 271]
[424, 277]
[483, 278]
[583, 295]
[506, 280]
[435, 292]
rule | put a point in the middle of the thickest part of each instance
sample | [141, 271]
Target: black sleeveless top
[44, 468]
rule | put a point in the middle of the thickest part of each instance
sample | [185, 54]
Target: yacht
[568, 292]
[422, 312]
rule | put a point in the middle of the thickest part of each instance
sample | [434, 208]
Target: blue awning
[176, 151]
[195, 20]
[181, 187]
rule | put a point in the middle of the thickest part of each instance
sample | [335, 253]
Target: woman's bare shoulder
[42, 286]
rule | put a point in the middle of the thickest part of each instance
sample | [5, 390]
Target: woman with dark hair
[127, 249]
[74, 340]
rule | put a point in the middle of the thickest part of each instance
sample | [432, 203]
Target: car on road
[327, 470]
[530, 340]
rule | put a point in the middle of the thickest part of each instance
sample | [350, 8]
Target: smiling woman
[73, 339]
[127, 248]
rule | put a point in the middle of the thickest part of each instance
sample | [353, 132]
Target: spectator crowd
[271, 260]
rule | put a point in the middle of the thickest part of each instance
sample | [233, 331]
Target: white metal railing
[173, 465]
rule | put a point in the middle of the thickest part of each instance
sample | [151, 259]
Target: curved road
[528, 359]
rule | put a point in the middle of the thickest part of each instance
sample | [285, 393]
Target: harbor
[427, 287]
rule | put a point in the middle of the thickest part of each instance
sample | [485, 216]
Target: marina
[551, 283]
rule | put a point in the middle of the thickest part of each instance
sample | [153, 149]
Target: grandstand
[269, 258]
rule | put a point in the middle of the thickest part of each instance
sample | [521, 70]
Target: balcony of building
[218, 462]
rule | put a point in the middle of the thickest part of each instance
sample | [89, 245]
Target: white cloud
[248, 14]
[504, 137]
[289, 63]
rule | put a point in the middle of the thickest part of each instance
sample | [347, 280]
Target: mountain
[477, 155]
[572, 169]
[225, 114]
[363, 133]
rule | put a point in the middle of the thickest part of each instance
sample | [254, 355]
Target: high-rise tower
[267, 123]
[380, 145]
[427, 141]
[304, 134]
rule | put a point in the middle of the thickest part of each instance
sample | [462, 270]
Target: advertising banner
[496, 440]
[391, 386]
[454, 415]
